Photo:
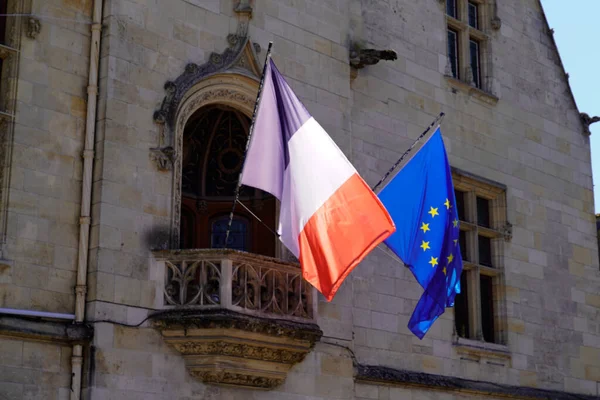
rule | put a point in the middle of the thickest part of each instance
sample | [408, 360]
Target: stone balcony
[237, 318]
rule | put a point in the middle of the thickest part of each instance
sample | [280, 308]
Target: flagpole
[250, 131]
[434, 123]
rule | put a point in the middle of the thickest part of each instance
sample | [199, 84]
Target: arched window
[214, 141]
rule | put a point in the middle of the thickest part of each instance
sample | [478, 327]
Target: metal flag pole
[387, 174]
[250, 131]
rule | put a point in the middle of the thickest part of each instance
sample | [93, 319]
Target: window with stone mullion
[466, 41]
[477, 307]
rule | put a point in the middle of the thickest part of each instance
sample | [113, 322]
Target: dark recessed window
[3, 12]
[485, 251]
[473, 15]
[453, 51]
[475, 65]
[462, 241]
[460, 204]
[483, 212]
[451, 8]
[461, 308]
[487, 307]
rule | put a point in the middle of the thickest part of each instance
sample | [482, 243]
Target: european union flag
[420, 199]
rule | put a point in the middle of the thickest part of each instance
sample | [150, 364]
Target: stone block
[127, 291]
[42, 356]
[12, 352]
[338, 366]
[386, 322]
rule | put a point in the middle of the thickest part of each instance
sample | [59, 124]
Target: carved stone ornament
[163, 157]
[228, 348]
[507, 231]
[34, 27]
[240, 53]
[586, 121]
[239, 58]
[360, 58]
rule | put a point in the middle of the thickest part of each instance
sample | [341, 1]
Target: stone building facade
[123, 126]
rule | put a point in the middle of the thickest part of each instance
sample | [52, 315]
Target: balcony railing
[234, 280]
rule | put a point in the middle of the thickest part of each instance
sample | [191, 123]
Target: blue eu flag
[420, 199]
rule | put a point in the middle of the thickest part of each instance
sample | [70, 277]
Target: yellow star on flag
[433, 212]
[455, 223]
[456, 242]
[444, 270]
[433, 262]
[447, 204]
[425, 246]
[425, 227]
[450, 258]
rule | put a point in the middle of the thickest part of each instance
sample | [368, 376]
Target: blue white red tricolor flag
[329, 218]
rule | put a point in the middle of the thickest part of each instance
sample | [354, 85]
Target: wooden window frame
[495, 193]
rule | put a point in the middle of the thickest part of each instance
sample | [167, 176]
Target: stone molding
[44, 329]
[383, 375]
[224, 347]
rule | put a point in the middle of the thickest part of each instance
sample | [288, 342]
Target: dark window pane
[451, 8]
[461, 309]
[462, 241]
[453, 51]
[237, 235]
[483, 212]
[3, 9]
[487, 307]
[460, 204]
[485, 251]
[186, 229]
[474, 50]
[473, 17]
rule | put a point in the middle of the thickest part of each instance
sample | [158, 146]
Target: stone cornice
[390, 376]
[226, 319]
[224, 347]
[47, 330]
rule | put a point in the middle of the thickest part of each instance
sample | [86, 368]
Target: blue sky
[577, 34]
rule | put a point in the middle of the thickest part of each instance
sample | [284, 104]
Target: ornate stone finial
[34, 27]
[360, 58]
[586, 121]
[244, 8]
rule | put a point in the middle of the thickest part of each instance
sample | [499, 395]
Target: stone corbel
[586, 121]
[495, 22]
[507, 231]
[34, 27]
[163, 157]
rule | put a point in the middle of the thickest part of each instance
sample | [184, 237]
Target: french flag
[329, 218]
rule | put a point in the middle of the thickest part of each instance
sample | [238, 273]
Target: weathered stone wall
[34, 370]
[45, 179]
[39, 256]
[530, 141]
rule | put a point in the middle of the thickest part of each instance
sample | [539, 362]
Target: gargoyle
[586, 120]
[359, 58]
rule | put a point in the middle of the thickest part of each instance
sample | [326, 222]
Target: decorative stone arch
[231, 89]
[230, 78]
